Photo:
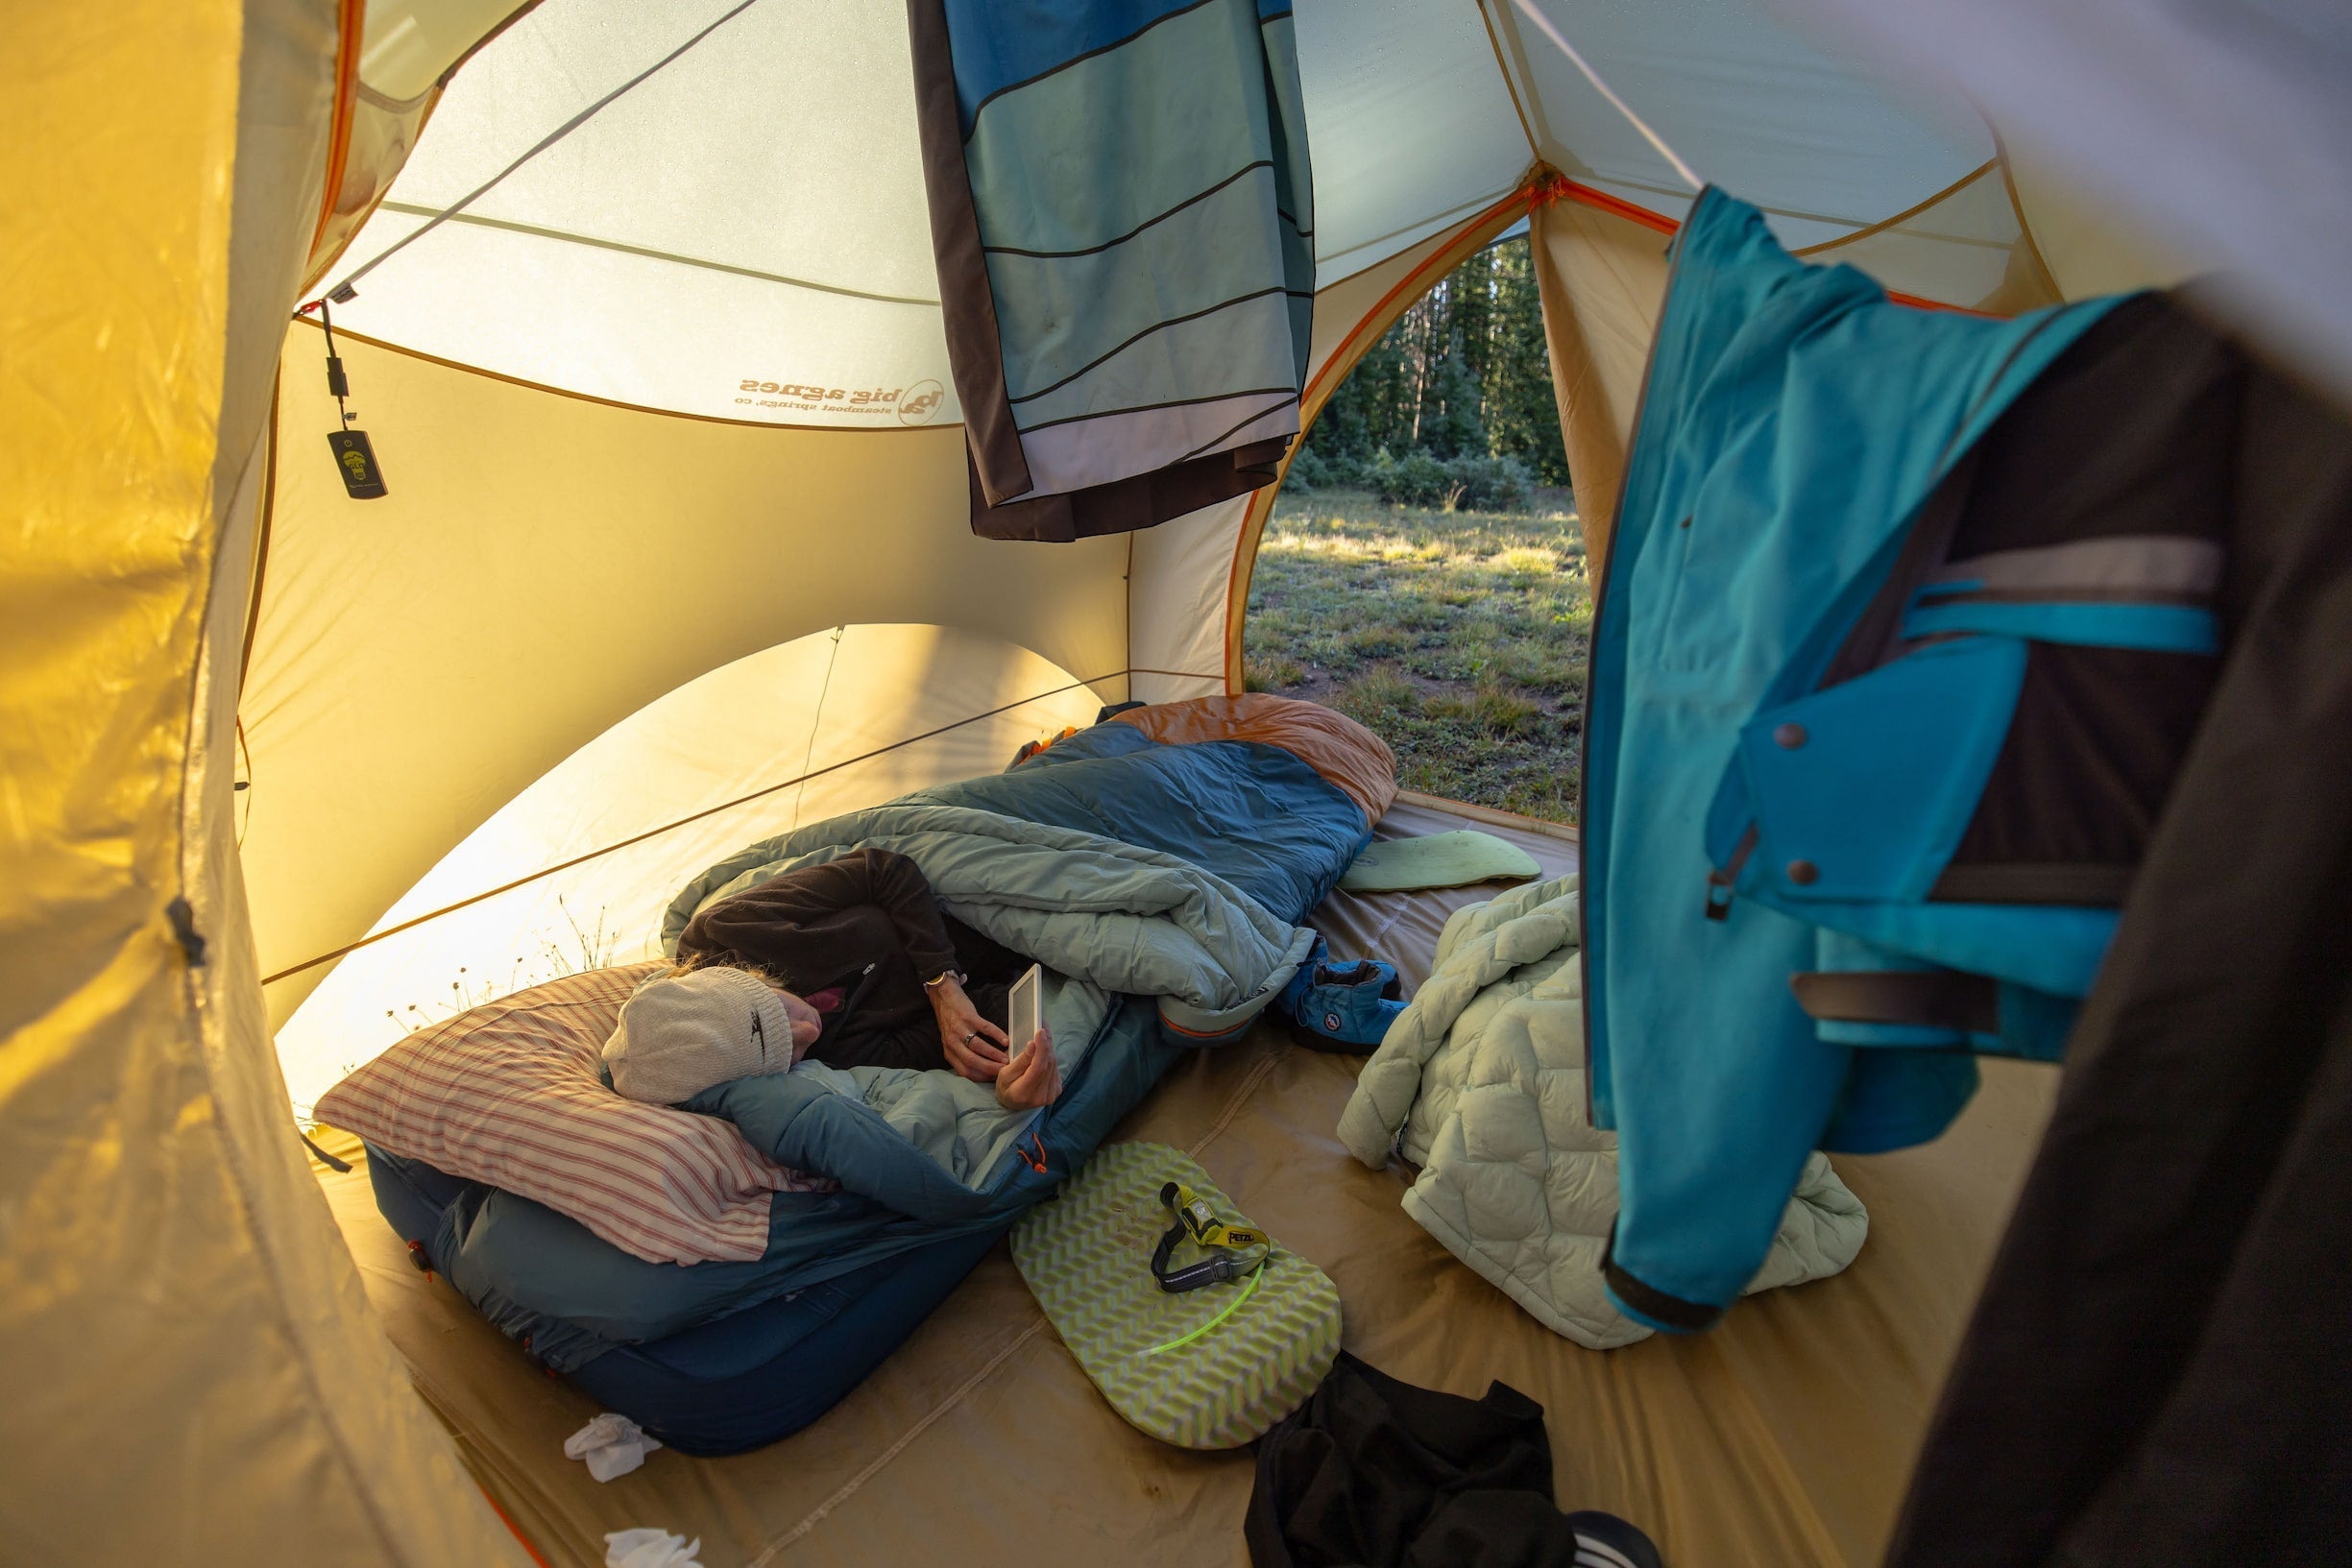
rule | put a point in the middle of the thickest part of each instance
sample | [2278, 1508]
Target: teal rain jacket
[1793, 422]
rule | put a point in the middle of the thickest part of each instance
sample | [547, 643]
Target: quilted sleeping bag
[1481, 1084]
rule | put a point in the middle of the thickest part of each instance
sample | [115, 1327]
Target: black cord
[337, 382]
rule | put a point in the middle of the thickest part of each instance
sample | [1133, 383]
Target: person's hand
[975, 1048]
[1032, 1078]
[806, 1022]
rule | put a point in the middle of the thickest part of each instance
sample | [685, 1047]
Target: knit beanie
[679, 1034]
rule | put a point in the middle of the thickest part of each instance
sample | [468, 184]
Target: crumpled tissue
[613, 1445]
[650, 1549]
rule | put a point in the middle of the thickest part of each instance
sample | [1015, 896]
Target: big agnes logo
[914, 404]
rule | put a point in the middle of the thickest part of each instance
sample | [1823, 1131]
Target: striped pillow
[508, 1094]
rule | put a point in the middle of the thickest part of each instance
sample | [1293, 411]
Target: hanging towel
[1122, 212]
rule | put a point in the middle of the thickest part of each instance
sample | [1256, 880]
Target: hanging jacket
[1904, 635]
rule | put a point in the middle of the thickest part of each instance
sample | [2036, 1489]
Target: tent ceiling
[1410, 123]
[751, 212]
[743, 233]
[1820, 145]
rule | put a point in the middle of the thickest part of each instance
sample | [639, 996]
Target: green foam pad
[1087, 1258]
[1454, 859]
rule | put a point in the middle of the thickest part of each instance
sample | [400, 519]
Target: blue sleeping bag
[721, 1356]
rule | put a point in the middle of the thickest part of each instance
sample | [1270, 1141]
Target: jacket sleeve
[896, 885]
[791, 924]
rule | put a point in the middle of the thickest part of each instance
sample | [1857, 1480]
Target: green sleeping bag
[1210, 1367]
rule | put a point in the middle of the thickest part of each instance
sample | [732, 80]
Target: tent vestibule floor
[1783, 1437]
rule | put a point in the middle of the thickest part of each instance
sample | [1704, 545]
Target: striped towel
[1122, 212]
[509, 1094]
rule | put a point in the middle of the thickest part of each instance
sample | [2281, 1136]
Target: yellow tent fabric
[193, 1369]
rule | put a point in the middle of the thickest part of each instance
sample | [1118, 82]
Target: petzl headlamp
[1196, 1220]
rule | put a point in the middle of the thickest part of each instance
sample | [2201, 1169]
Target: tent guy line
[1673, 159]
[545, 872]
[539, 231]
[542, 145]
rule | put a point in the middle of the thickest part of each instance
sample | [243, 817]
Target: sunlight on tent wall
[405, 48]
[544, 567]
[742, 235]
[812, 704]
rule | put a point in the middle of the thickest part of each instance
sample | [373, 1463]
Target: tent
[658, 572]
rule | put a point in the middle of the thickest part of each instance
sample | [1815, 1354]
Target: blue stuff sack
[1342, 1006]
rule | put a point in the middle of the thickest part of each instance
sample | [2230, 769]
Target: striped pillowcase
[509, 1094]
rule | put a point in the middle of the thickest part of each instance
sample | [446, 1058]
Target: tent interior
[676, 557]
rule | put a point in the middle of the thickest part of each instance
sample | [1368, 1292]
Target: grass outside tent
[1458, 636]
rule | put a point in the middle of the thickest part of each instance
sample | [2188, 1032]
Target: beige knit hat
[679, 1034]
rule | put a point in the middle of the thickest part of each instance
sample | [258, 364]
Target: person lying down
[850, 961]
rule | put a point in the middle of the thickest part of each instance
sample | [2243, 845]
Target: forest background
[1462, 379]
[1424, 570]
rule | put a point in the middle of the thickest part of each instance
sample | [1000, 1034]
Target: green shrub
[1467, 483]
[1492, 708]
[1270, 672]
[1488, 484]
[1418, 479]
[1377, 695]
[1308, 472]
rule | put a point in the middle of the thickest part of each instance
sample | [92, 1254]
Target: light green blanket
[1118, 917]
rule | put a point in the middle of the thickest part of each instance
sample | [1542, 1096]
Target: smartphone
[1023, 1011]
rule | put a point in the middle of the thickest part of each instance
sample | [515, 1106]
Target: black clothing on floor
[2158, 1372]
[869, 924]
[1377, 1473]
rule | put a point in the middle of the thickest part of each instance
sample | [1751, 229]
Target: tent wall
[389, 73]
[590, 855]
[1603, 280]
[192, 1369]
[1967, 245]
[545, 565]
[2085, 245]
[2218, 133]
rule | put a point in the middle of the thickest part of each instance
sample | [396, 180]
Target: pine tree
[1464, 373]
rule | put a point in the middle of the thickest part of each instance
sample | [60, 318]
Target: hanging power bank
[355, 459]
[354, 453]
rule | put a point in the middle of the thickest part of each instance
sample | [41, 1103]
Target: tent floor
[1783, 1437]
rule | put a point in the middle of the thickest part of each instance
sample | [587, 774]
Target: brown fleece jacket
[869, 923]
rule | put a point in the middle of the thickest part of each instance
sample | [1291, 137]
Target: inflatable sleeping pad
[732, 1384]
[1213, 1364]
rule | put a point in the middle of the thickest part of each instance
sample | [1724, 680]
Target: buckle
[1197, 1221]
